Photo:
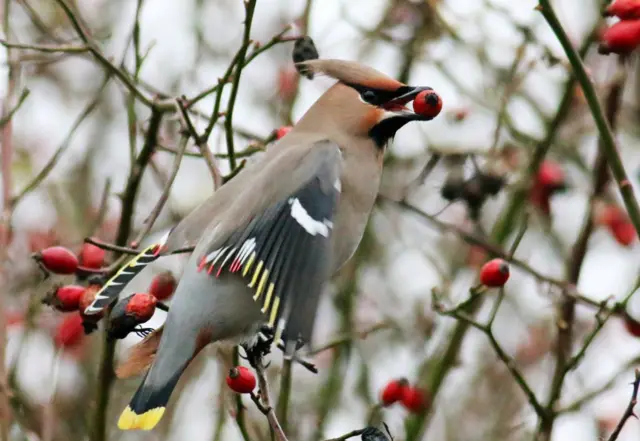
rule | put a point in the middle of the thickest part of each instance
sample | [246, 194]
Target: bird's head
[364, 101]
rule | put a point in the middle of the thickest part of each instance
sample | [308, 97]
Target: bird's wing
[281, 245]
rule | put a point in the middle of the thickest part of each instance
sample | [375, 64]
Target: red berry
[427, 103]
[287, 83]
[58, 260]
[87, 299]
[494, 273]
[70, 331]
[283, 131]
[142, 306]
[610, 214]
[550, 176]
[65, 298]
[633, 326]
[624, 9]
[91, 256]
[621, 38]
[241, 380]
[413, 399]
[541, 198]
[624, 233]
[392, 392]
[163, 285]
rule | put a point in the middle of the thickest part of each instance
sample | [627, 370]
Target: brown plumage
[140, 356]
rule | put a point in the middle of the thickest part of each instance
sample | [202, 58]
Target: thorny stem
[608, 143]
[628, 413]
[565, 320]
[106, 374]
[6, 156]
[500, 233]
[250, 6]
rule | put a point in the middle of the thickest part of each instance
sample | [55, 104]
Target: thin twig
[267, 408]
[608, 142]
[628, 413]
[162, 200]
[47, 48]
[250, 6]
[200, 142]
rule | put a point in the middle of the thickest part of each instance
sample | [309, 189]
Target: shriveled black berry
[491, 183]
[452, 189]
[304, 49]
[474, 195]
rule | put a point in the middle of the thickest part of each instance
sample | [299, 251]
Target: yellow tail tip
[129, 420]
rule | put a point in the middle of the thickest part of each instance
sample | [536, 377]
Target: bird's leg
[260, 346]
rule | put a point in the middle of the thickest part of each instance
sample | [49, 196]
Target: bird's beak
[396, 107]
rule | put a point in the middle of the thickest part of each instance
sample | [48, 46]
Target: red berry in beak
[65, 298]
[91, 256]
[163, 285]
[427, 103]
[393, 391]
[494, 273]
[241, 380]
[58, 260]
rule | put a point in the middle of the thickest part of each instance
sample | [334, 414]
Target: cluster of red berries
[75, 298]
[617, 221]
[241, 380]
[623, 36]
[411, 397]
[549, 180]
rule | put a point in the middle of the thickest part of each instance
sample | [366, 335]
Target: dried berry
[491, 183]
[241, 380]
[494, 273]
[304, 49]
[453, 184]
[413, 399]
[163, 285]
[392, 392]
[474, 195]
[427, 103]
[623, 9]
[551, 176]
[91, 256]
[58, 260]
[70, 331]
[621, 38]
[129, 313]
[632, 325]
[282, 131]
[64, 298]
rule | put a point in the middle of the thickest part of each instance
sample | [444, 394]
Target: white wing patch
[310, 225]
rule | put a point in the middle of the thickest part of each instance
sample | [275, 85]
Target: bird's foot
[260, 346]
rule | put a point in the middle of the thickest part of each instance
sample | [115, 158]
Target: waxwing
[267, 241]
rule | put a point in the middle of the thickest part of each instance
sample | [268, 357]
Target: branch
[201, 142]
[250, 6]
[266, 408]
[628, 413]
[6, 118]
[608, 143]
[106, 374]
[47, 48]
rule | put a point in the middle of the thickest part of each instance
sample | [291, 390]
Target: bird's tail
[148, 403]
